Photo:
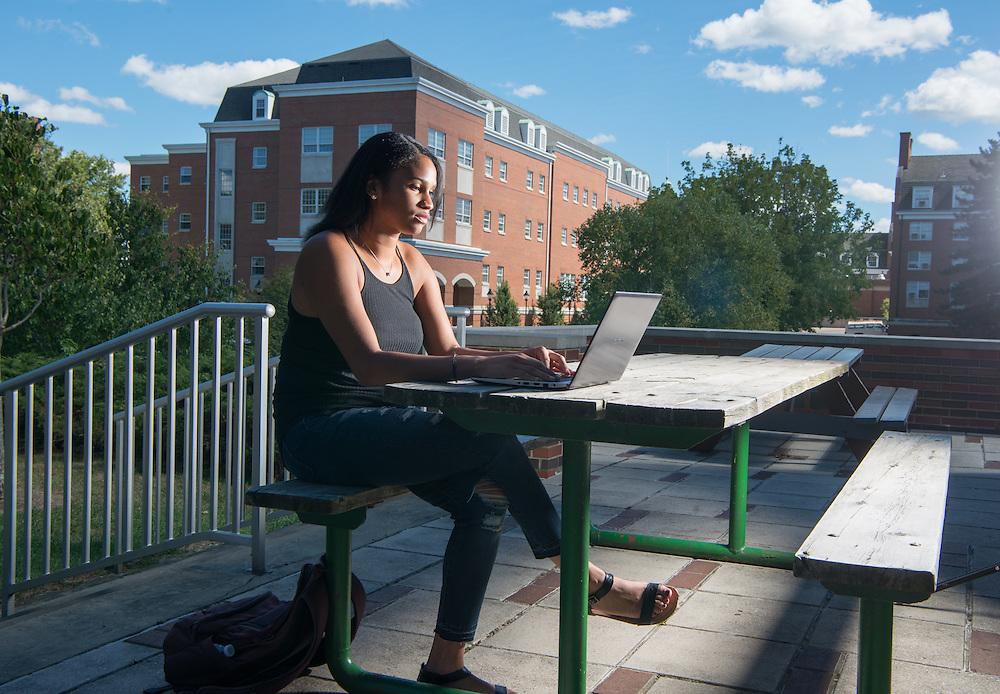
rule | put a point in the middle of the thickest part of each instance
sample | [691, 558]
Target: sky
[656, 81]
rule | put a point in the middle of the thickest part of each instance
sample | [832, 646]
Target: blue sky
[657, 82]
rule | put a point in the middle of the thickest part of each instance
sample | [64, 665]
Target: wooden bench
[852, 412]
[880, 540]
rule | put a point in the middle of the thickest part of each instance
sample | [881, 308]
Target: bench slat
[875, 404]
[849, 354]
[296, 495]
[882, 534]
[898, 409]
[762, 351]
[825, 354]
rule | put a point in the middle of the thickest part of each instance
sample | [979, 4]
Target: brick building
[516, 186]
[928, 240]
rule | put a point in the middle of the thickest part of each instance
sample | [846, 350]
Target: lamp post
[526, 295]
[489, 306]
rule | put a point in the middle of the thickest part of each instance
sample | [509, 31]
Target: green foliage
[885, 308]
[747, 242]
[503, 310]
[275, 290]
[975, 298]
[550, 305]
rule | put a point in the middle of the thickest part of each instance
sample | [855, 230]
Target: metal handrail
[177, 320]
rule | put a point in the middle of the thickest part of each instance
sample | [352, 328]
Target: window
[502, 223]
[488, 165]
[960, 232]
[143, 184]
[184, 221]
[258, 212]
[463, 211]
[921, 231]
[166, 184]
[499, 275]
[540, 231]
[225, 182]
[165, 226]
[370, 130]
[586, 197]
[918, 294]
[563, 236]
[317, 140]
[923, 197]
[576, 194]
[256, 266]
[313, 200]
[436, 142]
[260, 157]
[918, 260]
[503, 171]
[593, 200]
[527, 278]
[487, 220]
[958, 260]
[573, 237]
[529, 180]
[225, 237]
[486, 275]
[565, 191]
[538, 282]
[439, 211]
[961, 196]
[527, 229]
[185, 176]
[541, 183]
[465, 153]
[260, 106]
[872, 260]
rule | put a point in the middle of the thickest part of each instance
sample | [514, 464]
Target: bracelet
[454, 366]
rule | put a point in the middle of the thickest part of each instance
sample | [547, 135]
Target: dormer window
[490, 113]
[263, 102]
[501, 121]
[961, 196]
[527, 127]
[923, 197]
[542, 136]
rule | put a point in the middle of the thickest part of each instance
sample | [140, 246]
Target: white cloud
[123, 168]
[594, 19]
[826, 31]
[812, 101]
[967, 92]
[859, 130]
[203, 84]
[377, 3]
[77, 30]
[864, 190]
[642, 48]
[526, 91]
[881, 225]
[83, 94]
[885, 104]
[37, 106]
[937, 142]
[718, 149]
[603, 139]
[764, 78]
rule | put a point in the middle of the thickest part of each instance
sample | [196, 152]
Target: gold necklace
[386, 271]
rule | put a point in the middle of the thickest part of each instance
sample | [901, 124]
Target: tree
[275, 290]
[550, 304]
[975, 296]
[503, 310]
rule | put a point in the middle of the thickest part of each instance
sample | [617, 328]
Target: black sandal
[647, 602]
[428, 677]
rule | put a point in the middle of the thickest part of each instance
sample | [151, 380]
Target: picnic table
[664, 400]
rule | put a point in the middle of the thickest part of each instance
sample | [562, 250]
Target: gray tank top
[313, 376]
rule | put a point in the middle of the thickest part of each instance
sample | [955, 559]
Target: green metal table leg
[574, 568]
[875, 651]
[738, 487]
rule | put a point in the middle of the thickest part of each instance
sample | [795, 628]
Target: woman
[363, 309]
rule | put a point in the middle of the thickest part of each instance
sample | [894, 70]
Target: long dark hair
[349, 205]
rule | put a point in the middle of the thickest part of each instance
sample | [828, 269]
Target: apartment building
[516, 186]
[928, 239]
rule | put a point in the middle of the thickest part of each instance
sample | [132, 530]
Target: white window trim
[930, 198]
[316, 129]
[180, 176]
[503, 171]
[488, 220]
[472, 155]
[253, 158]
[488, 166]
[145, 183]
[432, 145]
[502, 224]
[253, 215]
[180, 222]
[915, 261]
[463, 218]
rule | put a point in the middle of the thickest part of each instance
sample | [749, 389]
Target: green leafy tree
[275, 290]
[550, 305]
[975, 296]
[503, 310]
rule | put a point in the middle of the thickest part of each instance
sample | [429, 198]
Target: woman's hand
[553, 360]
[525, 365]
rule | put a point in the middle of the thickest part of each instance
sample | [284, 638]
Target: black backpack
[256, 645]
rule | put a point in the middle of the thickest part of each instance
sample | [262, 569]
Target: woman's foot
[460, 679]
[630, 601]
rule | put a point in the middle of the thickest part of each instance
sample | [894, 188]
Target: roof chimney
[905, 150]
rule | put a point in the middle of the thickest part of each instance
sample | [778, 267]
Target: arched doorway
[463, 290]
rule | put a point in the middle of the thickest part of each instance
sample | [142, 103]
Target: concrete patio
[738, 628]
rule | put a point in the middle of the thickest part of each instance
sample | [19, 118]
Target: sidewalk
[738, 628]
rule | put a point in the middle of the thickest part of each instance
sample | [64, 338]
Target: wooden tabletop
[657, 389]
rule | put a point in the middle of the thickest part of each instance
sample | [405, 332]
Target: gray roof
[384, 60]
[939, 167]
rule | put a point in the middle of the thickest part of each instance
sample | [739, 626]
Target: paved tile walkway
[738, 628]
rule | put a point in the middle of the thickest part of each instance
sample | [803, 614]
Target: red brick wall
[186, 198]
[958, 380]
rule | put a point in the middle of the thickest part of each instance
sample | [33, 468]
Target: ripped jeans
[440, 462]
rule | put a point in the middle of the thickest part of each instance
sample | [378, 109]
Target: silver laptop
[611, 348]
